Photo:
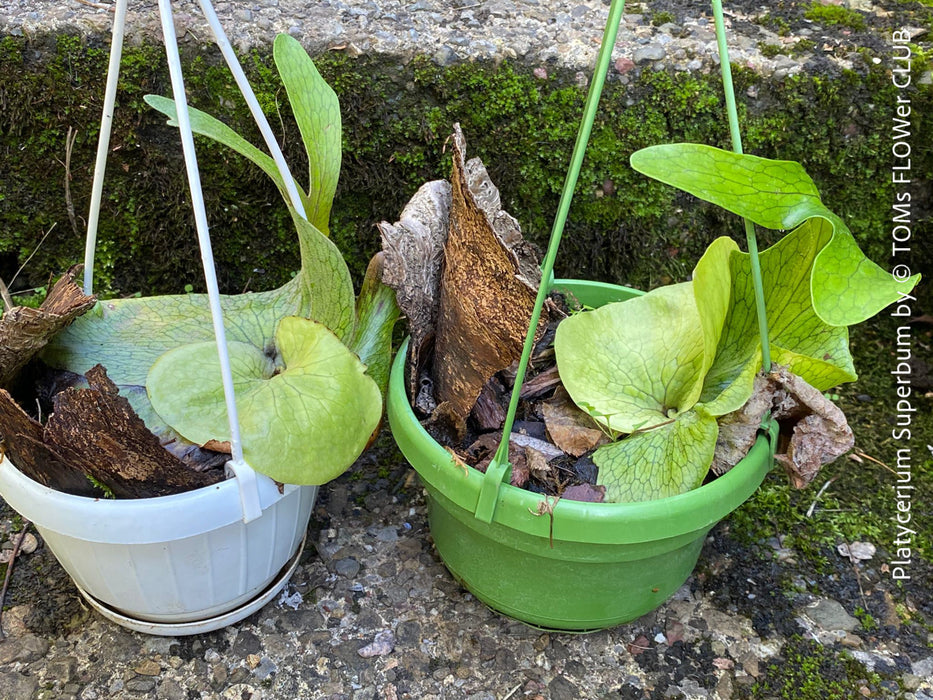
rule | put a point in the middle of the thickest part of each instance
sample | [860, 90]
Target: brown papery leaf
[414, 255]
[218, 446]
[570, 429]
[488, 288]
[537, 463]
[25, 331]
[819, 430]
[820, 433]
[739, 429]
[98, 429]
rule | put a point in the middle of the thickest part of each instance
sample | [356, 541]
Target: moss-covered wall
[396, 119]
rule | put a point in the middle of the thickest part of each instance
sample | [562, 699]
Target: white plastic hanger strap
[247, 91]
[103, 142]
[249, 488]
[247, 479]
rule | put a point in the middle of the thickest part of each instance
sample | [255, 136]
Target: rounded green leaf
[816, 351]
[847, 287]
[635, 362]
[666, 461]
[305, 416]
[724, 393]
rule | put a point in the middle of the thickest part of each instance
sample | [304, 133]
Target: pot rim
[604, 523]
[131, 520]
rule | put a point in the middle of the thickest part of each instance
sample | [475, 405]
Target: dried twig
[818, 494]
[858, 456]
[512, 692]
[69, 204]
[17, 543]
[858, 580]
[98, 5]
[5, 296]
[34, 251]
[547, 507]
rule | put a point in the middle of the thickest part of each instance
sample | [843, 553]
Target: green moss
[835, 15]
[921, 59]
[770, 50]
[776, 23]
[659, 18]
[803, 46]
[869, 623]
[622, 228]
[808, 669]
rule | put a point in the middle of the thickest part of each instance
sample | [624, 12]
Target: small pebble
[148, 668]
[383, 644]
[348, 567]
[29, 544]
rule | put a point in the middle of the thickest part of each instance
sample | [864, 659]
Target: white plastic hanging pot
[183, 562]
[196, 561]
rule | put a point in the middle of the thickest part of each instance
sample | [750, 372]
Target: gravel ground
[369, 579]
[370, 583]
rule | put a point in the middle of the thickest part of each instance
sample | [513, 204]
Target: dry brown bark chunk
[541, 383]
[24, 445]
[25, 331]
[488, 290]
[97, 429]
[589, 493]
[739, 429]
[488, 412]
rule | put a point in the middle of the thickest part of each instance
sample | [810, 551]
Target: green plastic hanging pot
[582, 566]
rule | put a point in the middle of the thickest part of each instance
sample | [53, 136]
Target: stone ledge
[561, 33]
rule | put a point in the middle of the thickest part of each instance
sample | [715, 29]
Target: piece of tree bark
[24, 445]
[414, 255]
[97, 429]
[739, 429]
[540, 383]
[488, 411]
[588, 493]
[488, 290]
[25, 331]
[820, 430]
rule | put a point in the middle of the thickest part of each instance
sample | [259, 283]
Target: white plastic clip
[249, 488]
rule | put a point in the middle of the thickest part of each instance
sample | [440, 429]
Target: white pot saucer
[211, 624]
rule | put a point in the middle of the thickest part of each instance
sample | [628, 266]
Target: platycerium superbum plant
[660, 369]
[310, 361]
